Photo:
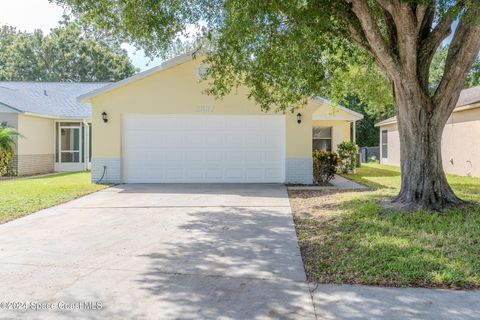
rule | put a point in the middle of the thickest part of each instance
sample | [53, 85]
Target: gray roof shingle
[56, 99]
[469, 96]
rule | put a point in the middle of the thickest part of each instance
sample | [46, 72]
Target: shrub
[7, 142]
[325, 166]
[5, 160]
[347, 152]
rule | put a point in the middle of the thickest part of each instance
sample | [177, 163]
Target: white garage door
[169, 149]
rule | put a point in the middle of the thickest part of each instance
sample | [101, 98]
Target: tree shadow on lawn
[238, 263]
[353, 243]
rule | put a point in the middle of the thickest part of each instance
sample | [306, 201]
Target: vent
[202, 70]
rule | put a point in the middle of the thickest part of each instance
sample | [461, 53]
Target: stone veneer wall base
[34, 164]
[299, 170]
[112, 172]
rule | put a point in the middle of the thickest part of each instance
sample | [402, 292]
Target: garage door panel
[193, 156]
[233, 156]
[203, 148]
[255, 156]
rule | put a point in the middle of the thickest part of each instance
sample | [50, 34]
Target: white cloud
[28, 15]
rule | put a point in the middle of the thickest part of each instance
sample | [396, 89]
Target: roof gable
[337, 112]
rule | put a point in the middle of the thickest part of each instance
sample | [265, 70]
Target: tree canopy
[286, 51]
[71, 52]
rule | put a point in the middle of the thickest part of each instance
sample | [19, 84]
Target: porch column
[354, 139]
[86, 147]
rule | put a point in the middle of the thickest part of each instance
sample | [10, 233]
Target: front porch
[72, 145]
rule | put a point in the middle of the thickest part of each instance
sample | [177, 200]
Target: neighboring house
[460, 140]
[55, 127]
[159, 127]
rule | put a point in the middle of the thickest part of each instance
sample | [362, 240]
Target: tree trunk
[424, 184]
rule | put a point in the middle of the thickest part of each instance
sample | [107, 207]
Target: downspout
[354, 131]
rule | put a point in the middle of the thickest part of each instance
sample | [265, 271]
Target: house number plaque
[205, 109]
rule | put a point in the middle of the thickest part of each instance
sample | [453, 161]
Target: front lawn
[344, 238]
[22, 197]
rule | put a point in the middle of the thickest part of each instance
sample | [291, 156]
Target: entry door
[196, 149]
[69, 146]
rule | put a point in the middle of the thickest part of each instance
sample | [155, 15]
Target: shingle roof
[467, 97]
[56, 99]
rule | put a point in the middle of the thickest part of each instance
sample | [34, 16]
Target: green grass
[344, 237]
[22, 197]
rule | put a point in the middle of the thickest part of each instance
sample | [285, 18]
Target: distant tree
[367, 134]
[69, 53]
[438, 66]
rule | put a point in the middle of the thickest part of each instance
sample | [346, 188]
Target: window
[322, 138]
[69, 142]
[384, 144]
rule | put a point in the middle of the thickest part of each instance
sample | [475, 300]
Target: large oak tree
[285, 51]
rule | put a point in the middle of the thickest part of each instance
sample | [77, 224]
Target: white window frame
[79, 151]
[324, 138]
[83, 151]
[383, 145]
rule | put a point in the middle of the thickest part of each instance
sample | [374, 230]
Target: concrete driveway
[157, 252]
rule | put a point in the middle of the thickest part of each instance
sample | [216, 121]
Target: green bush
[347, 152]
[325, 165]
[5, 160]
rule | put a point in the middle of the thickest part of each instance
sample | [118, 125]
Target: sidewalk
[342, 302]
[344, 184]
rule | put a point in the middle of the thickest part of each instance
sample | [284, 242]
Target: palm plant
[7, 139]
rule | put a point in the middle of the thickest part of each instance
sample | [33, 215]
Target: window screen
[322, 138]
[384, 143]
[322, 133]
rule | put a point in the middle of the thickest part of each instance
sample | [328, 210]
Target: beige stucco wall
[460, 143]
[38, 135]
[34, 150]
[393, 144]
[340, 130]
[178, 91]
[10, 118]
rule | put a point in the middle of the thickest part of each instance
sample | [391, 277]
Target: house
[460, 140]
[159, 127]
[55, 127]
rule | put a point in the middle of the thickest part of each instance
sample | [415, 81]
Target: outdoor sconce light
[299, 118]
[104, 117]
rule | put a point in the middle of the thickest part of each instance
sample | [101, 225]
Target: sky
[28, 15]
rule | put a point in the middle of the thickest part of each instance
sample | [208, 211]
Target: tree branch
[386, 5]
[391, 31]
[425, 25]
[443, 29]
[375, 39]
[431, 40]
[462, 53]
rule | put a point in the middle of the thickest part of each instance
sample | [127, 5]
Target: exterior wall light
[104, 117]
[299, 118]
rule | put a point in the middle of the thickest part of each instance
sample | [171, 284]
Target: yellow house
[159, 127]
[460, 139]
